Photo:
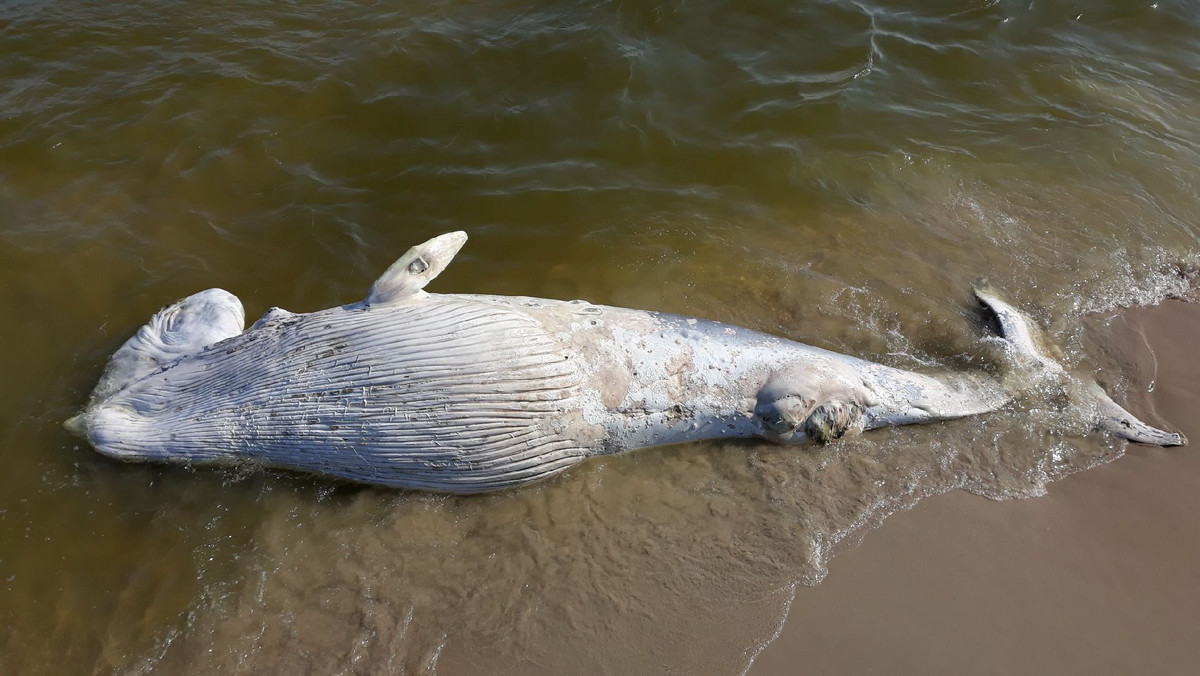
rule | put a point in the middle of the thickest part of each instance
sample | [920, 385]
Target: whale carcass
[471, 393]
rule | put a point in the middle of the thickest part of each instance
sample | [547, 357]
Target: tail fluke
[1028, 348]
[1117, 421]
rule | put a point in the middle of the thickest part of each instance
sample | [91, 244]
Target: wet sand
[1098, 577]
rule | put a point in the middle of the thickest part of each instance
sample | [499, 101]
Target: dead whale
[472, 393]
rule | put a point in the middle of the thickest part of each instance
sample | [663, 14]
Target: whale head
[181, 328]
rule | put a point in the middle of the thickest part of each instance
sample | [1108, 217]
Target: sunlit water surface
[834, 172]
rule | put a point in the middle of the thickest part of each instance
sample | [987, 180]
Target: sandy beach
[1097, 577]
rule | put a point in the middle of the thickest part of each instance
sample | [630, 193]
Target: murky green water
[834, 172]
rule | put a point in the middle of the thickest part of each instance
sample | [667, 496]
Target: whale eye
[418, 266]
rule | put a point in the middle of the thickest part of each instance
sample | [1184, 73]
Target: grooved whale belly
[457, 395]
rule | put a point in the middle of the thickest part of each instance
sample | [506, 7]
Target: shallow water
[836, 173]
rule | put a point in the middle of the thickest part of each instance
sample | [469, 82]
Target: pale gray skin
[471, 393]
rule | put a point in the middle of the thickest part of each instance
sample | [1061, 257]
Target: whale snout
[77, 425]
[108, 427]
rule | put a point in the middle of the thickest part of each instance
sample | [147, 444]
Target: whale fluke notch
[416, 268]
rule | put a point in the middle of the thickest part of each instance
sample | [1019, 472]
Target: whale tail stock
[1025, 346]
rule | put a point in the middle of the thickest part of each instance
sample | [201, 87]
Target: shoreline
[1097, 576]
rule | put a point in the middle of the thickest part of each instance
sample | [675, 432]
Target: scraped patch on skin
[613, 384]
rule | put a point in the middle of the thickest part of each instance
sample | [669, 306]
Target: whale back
[448, 395]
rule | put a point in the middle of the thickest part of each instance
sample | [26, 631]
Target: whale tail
[1028, 349]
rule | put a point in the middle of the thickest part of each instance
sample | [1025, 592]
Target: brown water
[837, 173]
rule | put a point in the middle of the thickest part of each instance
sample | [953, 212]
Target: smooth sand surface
[1101, 576]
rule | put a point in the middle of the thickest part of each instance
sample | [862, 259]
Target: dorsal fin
[416, 268]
